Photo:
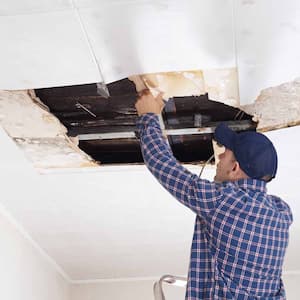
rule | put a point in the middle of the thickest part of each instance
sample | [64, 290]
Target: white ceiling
[117, 222]
[63, 42]
[267, 44]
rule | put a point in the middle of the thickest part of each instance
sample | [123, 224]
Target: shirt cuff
[147, 120]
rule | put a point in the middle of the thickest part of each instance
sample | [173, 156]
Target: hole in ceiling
[106, 127]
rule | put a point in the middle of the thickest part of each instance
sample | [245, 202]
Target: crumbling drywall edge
[39, 133]
[276, 107]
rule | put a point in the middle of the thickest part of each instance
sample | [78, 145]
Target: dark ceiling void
[107, 131]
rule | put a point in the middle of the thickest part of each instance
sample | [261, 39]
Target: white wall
[292, 282]
[123, 290]
[143, 289]
[25, 272]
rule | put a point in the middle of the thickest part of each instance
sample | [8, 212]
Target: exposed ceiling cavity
[76, 126]
[105, 127]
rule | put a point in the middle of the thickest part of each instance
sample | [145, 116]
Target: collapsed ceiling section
[76, 126]
[105, 127]
[242, 65]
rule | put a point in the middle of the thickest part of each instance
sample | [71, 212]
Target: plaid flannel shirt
[241, 233]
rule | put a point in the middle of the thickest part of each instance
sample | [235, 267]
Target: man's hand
[146, 103]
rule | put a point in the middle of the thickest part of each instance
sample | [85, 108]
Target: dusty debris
[276, 107]
[39, 133]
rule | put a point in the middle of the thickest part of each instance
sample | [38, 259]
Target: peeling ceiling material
[38, 132]
[24, 116]
[220, 84]
[276, 107]
[52, 153]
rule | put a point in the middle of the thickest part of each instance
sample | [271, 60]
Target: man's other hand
[147, 103]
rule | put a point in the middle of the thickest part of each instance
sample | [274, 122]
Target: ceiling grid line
[96, 61]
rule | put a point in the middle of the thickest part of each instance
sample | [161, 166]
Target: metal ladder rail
[170, 279]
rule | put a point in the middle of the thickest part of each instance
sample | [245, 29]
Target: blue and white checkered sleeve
[199, 195]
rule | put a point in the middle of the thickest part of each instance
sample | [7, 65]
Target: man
[241, 232]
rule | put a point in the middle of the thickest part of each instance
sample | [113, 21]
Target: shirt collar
[252, 184]
[247, 184]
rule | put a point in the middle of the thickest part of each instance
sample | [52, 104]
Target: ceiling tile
[45, 50]
[268, 48]
[15, 7]
[133, 37]
[95, 3]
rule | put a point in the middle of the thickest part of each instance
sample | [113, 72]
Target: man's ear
[236, 166]
[235, 171]
[238, 172]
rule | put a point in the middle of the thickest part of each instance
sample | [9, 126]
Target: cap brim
[225, 136]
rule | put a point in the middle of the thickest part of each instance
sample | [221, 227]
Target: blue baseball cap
[254, 151]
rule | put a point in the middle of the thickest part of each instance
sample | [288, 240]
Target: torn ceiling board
[53, 153]
[45, 142]
[22, 115]
[220, 84]
[276, 107]
[39, 133]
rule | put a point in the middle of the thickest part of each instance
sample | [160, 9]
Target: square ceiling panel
[268, 48]
[45, 50]
[15, 7]
[134, 37]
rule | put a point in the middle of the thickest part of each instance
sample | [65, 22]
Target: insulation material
[220, 84]
[276, 107]
[38, 132]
